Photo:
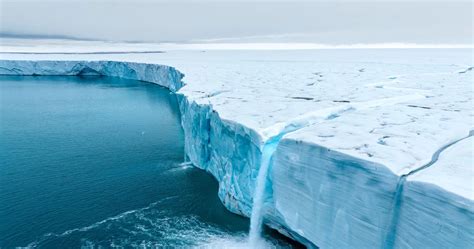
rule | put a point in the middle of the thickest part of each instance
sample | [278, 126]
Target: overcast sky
[190, 20]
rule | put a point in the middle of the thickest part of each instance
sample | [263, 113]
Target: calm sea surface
[96, 162]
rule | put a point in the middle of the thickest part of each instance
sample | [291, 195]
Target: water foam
[150, 227]
[236, 242]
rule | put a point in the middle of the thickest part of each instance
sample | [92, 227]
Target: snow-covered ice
[356, 122]
[431, 215]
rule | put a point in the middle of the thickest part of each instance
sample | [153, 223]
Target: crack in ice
[392, 226]
[273, 134]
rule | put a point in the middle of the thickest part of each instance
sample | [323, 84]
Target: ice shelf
[355, 179]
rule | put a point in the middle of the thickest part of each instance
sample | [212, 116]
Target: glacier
[334, 173]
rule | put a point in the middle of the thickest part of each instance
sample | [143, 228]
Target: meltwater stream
[256, 218]
[275, 134]
[97, 162]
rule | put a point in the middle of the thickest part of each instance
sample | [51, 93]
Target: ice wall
[228, 150]
[317, 193]
[341, 201]
[158, 74]
[430, 215]
[229, 154]
[330, 198]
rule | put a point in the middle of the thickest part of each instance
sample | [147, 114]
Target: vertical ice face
[330, 198]
[437, 203]
[332, 179]
[228, 154]
[196, 126]
[159, 74]
[281, 129]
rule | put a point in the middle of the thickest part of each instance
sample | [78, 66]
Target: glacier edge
[231, 153]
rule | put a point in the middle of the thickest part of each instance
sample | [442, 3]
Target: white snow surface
[334, 180]
[457, 168]
[19, 45]
[429, 193]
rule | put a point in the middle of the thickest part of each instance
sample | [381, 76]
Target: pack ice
[371, 148]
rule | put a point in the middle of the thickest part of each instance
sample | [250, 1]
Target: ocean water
[96, 162]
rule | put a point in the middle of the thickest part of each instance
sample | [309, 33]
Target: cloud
[190, 20]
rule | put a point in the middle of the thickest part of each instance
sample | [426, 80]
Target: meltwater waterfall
[281, 129]
[256, 218]
[268, 149]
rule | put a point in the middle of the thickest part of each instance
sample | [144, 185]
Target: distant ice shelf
[364, 121]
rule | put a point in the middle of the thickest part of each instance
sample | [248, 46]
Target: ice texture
[428, 194]
[159, 74]
[335, 180]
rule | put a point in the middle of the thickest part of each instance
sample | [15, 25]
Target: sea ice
[332, 182]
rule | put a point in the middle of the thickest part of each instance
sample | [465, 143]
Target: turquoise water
[96, 161]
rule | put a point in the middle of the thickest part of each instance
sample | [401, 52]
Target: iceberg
[332, 177]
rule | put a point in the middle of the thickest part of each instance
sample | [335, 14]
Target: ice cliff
[388, 165]
[158, 74]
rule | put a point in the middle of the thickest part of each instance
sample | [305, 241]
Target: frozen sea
[375, 143]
